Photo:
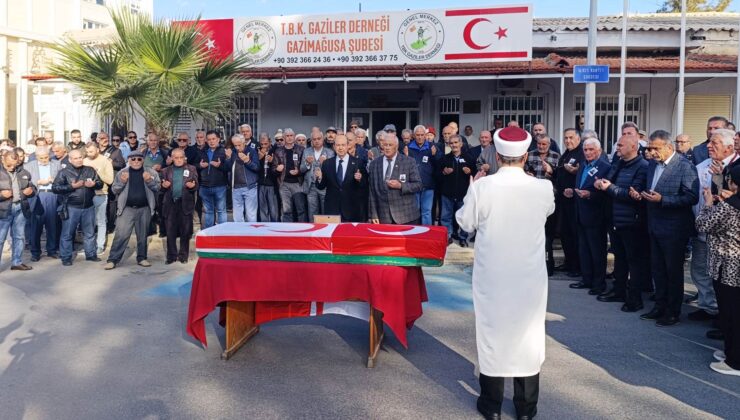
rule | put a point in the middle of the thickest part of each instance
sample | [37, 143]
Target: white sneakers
[723, 368]
[719, 355]
[144, 263]
[109, 265]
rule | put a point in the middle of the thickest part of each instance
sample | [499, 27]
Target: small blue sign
[590, 74]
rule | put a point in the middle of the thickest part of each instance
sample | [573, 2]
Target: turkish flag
[217, 35]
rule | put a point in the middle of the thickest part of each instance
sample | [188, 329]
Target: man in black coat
[565, 177]
[344, 178]
[456, 169]
[673, 188]
[631, 256]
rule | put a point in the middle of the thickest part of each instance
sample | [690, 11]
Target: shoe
[579, 285]
[610, 276]
[21, 267]
[597, 291]
[53, 256]
[631, 308]
[449, 241]
[574, 274]
[183, 260]
[715, 335]
[527, 417]
[667, 321]
[561, 267]
[144, 263]
[463, 243]
[487, 415]
[653, 315]
[724, 368]
[610, 297]
[93, 259]
[719, 355]
[110, 265]
[35, 258]
[701, 315]
[168, 262]
[691, 299]
[67, 263]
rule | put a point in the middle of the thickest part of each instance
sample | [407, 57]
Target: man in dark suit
[591, 206]
[344, 178]
[565, 177]
[673, 188]
[394, 182]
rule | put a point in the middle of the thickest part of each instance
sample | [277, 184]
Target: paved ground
[79, 343]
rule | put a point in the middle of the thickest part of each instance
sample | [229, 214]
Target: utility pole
[590, 104]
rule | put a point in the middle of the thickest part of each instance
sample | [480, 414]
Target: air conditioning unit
[510, 85]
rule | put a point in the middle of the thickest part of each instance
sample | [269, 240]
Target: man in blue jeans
[76, 185]
[15, 189]
[427, 159]
[213, 169]
[245, 165]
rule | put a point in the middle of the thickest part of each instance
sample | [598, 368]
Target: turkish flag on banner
[494, 33]
[218, 35]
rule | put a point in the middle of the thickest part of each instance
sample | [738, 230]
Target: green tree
[154, 69]
[674, 6]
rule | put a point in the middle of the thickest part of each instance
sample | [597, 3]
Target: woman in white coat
[509, 210]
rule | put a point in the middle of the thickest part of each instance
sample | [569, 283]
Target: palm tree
[155, 69]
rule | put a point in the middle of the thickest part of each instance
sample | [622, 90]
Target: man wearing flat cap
[508, 210]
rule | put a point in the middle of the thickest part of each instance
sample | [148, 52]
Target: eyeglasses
[182, 139]
[132, 137]
[136, 159]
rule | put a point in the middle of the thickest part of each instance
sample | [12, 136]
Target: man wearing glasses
[683, 146]
[183, 142]
[131, 144]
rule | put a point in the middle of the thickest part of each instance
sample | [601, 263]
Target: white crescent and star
[415, 230]
[210, 44]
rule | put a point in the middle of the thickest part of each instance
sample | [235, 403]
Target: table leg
[240, 326]
[376, 335]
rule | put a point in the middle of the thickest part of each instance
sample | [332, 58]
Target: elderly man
[76, 186]
[537, 130]
[456, 170]
[16, 188]
[631, 258]
[486, 161]
[245, 166]
[59, 153]
[246, 131]
[213, 171]
[591, 207]
[136, 187]
[155, 157]
[104, 169]
[509, 210]
[406, 136]
[182, 141]
[355, 140]
[683, 147]
[313, 158]
[343, 178]
[456, 130]
[110, 152]
[673, 188]
[331, 134]
[43, 170]
[427, 158]
[541, 164]
[700, 152]
[394, 182]
[179, 183]
[711, 173]
[565, 178]
[268, 205]
[286, 163]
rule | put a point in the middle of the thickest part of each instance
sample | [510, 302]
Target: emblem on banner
[421, 36]
[256, 40]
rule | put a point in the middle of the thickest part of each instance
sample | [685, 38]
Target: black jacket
[114, 154]
[81, 197]
[212, 176]
[563, 178]
[24, 181]
[455, 185]
[344, 199]
[627, 212]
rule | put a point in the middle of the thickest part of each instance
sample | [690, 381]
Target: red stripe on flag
[246, 243]
[491, 11]
[467, 56]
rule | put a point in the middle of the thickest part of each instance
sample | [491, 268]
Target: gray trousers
[129, 220]
[268, 206]
[315, 202]
[292, 193]
[700, 276]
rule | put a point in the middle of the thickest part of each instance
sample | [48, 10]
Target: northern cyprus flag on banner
[218, 35]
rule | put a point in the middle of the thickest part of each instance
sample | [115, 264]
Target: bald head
[627, 146]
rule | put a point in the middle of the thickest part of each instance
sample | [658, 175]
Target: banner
[456, 35]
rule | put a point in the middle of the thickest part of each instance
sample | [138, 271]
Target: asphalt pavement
[83, 343]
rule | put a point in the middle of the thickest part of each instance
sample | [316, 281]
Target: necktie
[389, 169]
[340, 174]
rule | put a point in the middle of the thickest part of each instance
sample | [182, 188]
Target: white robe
[509, 210]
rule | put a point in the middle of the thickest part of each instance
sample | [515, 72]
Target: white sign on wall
[459, 35]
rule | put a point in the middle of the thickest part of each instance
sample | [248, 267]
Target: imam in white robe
[508, 210]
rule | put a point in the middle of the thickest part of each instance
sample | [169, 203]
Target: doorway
[373, 120]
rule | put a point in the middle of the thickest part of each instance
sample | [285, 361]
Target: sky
[175, 9]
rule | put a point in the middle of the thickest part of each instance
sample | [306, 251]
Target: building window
[246, 111]
[606, 117]
[449, 105]
[90, 24]
[526, 110]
